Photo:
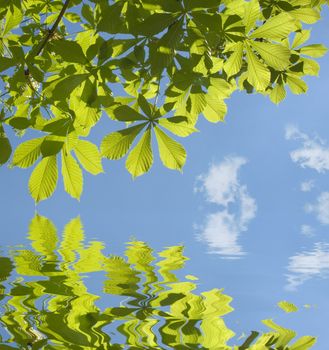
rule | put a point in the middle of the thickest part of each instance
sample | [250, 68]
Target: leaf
[315, 50]
[306, 15]
[117, 144]
[223, 88]
[89, 156]
[13, 19]
[252, 12]
[144, 105]
[300, 38]
[43, 180]
[172, 153]
[6, 63]
[197, 5]
[72, 175]
[275, 55]
[27, 153]
[70, 51]
[51, 145]
[140, 159]
[178, 126]
[310, 67]
[127, 114]
[258, 74]
[61, 89]
[5, 147]
[156, 23]
[234, 63]
[278, 93]
[296, 85]
[277, 27]
[20, 123]
[198, 101]
[216, 108]
[287, 307]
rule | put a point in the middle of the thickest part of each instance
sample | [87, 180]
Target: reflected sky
[279, 157]
[307, 265]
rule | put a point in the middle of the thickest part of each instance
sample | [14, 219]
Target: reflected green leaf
[143, 303]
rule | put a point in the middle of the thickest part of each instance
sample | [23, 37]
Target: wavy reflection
[45, 302]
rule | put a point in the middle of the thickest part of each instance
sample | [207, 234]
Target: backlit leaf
[43, 179]
[140, 159]
[117, 144]
[89, 156]
[258, 74]
[277, 27]
[172, 153]
[27, 153]
[72, 175]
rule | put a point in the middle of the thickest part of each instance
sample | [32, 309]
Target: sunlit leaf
[178, 126]
[89, 156]
[27, 153]
[140, 159]
[117, 144]
[258, 74]
[172, 153]
[72, 175]
[277, 27]
[43, 179]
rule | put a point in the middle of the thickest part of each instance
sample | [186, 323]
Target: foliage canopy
[151, 66]
[45, 302]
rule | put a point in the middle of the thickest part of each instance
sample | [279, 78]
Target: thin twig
[53, 28]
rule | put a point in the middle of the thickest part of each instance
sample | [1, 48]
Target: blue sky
[251, 207]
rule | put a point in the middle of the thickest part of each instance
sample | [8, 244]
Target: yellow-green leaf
[296, 85]
[258, 74]
[43, 180]
[172, 153]
[234, 63]
[140, 159]
[306, 15]
[27, 153]
[89, 156]
[117, 144]
[216, 108]
[251, 14]
[277, 27]
[278, 93]
[178, 126]
[300, 38]
[315, 50]
[72, 175]
[275, 55]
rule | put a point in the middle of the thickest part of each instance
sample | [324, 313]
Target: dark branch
[53, 28]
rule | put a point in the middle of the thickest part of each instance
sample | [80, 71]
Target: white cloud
[221, 182]
[307, 230]
[307, 186]
[307, 265]
[222, 229]
[320, 208]
[314, 153]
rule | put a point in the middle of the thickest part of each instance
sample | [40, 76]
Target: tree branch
[53, 28]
